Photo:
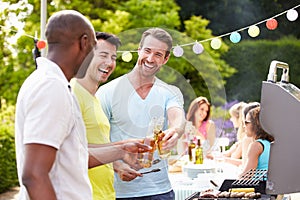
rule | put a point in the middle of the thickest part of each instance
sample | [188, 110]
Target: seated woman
[238, 151]
[199, 113]
[259, 151]
[236, 117]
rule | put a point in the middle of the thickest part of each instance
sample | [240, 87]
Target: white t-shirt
[47, 113]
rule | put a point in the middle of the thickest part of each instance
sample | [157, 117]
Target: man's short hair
[108, 37]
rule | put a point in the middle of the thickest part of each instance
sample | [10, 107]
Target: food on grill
[209, 193]
[248, 195]
[224, 194]
[253, 195]
[237, 194]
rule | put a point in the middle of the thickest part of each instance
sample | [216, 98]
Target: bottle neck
[199, 142]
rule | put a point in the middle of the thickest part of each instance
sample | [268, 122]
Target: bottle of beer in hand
[192, 145]
[198, 153]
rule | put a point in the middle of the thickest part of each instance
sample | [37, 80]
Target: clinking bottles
[198, 153]
[192, 145]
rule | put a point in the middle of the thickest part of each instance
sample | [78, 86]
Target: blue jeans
[165, 196]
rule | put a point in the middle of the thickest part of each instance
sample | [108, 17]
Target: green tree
[103, 14]
[12, 15]
[148, 13]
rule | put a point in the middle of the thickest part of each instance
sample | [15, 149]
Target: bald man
[51, 145]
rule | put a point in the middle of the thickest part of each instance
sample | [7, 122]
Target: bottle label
[198, 155]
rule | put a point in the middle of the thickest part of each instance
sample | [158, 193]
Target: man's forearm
[107, 144]
[105, 154]
[39, 188]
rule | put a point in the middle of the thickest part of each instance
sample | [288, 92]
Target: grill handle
[272, 76]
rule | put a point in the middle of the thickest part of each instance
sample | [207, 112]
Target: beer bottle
[198, 153]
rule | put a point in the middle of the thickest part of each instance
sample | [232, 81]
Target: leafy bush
[8, 169]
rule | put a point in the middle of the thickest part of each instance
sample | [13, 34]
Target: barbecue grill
[280, 110]
[253, 178]
[279, 116]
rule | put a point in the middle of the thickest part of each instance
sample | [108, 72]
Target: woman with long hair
[259, 151]
[237, 153]
[199, 114]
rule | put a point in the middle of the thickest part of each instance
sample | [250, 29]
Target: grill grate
[252, 178]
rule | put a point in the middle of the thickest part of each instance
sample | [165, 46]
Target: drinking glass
[145, 159]
[218, 158]
[163, 153]
[159, 135]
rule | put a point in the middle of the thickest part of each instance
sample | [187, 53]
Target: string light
[198, 48]
[178, 51]
[235, 37]
[216, 43]
[253, 31]
[41, 44]
[272, 24]
[127, 56]
[292, 15]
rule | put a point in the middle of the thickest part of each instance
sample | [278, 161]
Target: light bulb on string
[292, 15]
[253, 31]
[41, 44]
[215, 43]
[235, 37]
[272, 24]
[198, 48]
[178, 51]
[126, 56]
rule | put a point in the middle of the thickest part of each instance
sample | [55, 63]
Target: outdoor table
[185, 184]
